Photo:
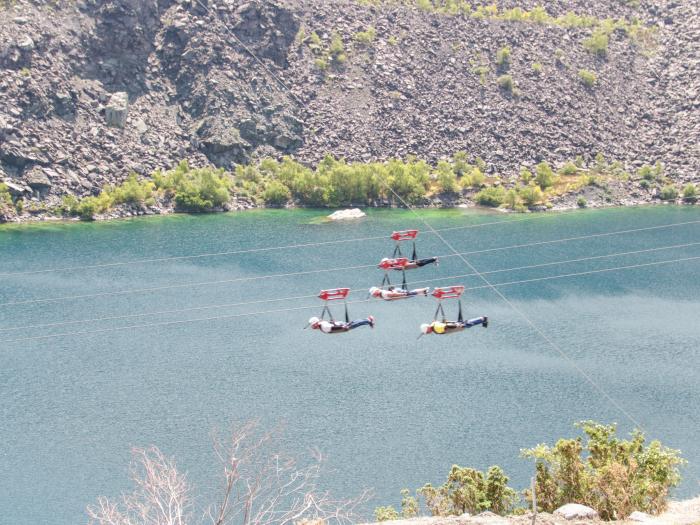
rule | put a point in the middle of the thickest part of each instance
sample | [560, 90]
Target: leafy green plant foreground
[615, 476]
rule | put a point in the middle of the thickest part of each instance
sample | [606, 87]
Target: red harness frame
[448, 292]
[404, 235]
[334, 294]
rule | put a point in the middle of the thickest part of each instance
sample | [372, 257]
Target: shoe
[370, 318]
[485, 324]
[437, 262]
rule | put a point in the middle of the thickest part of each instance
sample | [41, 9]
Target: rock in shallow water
[342, 215]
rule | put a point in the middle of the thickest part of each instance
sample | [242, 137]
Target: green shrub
[483, 72]
[505, 82]
[315, 43]
[470, 491]
[337, 49]
[366, 37]
[669, 193]
[276, 194]
[544, 176]
[569, 169]
[195, 190]
[531, 195]
[525, 175]
[503, 57]
[491, 196]
[537, 67]
[644, 183]
[614, 476]
[131, 191]
[386, 513]
[559, 56]
[475, 179]
[460, 163]
[392, 40]
[409, 505]
[690, 192]
[646, 172]
[588, 77]
[321, 64]
[88, 207]
[581, 202]
[5, 197]
[446, 178]
[597, 43]
[511, 199]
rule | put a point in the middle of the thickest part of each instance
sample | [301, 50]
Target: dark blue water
[388, 410]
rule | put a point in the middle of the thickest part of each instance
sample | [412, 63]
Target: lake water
[388, 410]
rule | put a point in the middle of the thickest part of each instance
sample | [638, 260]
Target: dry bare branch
[261, 485]
[161, 495]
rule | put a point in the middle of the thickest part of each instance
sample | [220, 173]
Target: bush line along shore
[335, 183]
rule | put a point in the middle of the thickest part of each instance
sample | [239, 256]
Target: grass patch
[588, 77]
[365, 37]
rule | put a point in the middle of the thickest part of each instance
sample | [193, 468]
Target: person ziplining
[331, 325]
[392, 293]
[443, 326]
[334, 327]
[398, 262]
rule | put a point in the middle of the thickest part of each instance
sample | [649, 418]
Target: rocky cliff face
[426, 84]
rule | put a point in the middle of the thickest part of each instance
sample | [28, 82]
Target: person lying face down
[449, 327]
[335, 327]
[409, 265]
[392, 294]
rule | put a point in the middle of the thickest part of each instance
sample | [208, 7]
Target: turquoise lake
[388, 410]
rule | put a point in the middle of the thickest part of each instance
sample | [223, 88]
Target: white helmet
[375, 292]
[314, 322]
[426, 328]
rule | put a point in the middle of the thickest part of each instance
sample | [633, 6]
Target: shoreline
[126, 214]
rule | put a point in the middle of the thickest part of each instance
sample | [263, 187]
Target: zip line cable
[496, 285]
[311, 272]
[524, 316]
[252, 250]
[165, 323]
[181, 285]
[353, 290]
[589, 272]
[567, 261]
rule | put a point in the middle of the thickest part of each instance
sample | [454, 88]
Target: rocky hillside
[91, 90]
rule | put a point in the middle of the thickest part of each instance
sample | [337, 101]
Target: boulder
[117, 109]
[64, 104]
[572, 511]
[342, 215]
[221, 141]
[25, 43]
[38, 180]
[15, 189]
[287, 141]
[640, 517]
